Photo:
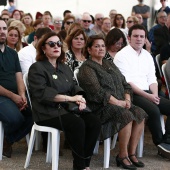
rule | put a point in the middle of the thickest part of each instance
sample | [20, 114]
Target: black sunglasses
[129, 21]
[5, 19]
[98, 19]
[87, 21]
[69, 22]
[52, 43]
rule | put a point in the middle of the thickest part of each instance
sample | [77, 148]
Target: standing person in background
[11, 6]
[98, 23]
[112, 14]
[143, 10]
[164, 6]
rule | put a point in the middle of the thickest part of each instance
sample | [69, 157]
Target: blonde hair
[19, 25]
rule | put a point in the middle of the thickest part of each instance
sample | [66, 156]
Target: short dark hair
[40, 54]
[137, 27]
[41, 31]
[113, 36]
[90, 42]
[65, 12]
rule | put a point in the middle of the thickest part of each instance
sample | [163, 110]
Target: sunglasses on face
[58, 22]
[119, 18]
[87, 21]
[98, 19]
[69, 22]
[5, 19]
[129, 21]
[52, 43]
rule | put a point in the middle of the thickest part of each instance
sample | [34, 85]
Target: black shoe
[7, 149]
[137, 164]
[119, 161]
[164, 150]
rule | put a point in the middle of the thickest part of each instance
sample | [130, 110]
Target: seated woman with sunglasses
[109, 96]
[51, 87]
[76, 42]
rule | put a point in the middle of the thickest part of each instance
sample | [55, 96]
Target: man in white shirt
[137, 65]
[27, 54]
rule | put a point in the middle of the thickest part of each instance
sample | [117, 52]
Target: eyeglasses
[69, 22]
[119, 18]
[52, 43]
[163, 17]
[5, 19]
[98, 19]
[58, 22]
[129, 21]
[119, 44]
[87, 21]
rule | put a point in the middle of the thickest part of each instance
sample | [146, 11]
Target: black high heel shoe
[137, 164]
[119, 161]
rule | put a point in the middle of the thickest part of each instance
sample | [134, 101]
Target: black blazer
[162, 37]
[45, 82]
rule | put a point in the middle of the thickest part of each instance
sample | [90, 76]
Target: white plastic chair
[158, 64]
[2, 139]
[53, 138]
[52, 145]
[165, 77]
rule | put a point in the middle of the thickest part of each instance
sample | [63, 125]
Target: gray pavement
[150, 158]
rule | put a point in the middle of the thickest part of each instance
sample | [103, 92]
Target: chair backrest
[165, 77]
[76, 71]
[25, 78]
[158, 64]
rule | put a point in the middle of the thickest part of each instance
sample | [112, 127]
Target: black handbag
[74, 108]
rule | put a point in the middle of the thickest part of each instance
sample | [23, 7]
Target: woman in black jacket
[52, 87]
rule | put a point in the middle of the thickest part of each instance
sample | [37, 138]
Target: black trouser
[154, 111]
[81, 132]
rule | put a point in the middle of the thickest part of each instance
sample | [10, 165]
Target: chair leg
[162, 123]
[140, 146]
[30, 147]
[114, 141]
[55, 149]
[107, 152]
[95, 152]
[1, 139]
[27, 138]
[38, 140]
[49, 148]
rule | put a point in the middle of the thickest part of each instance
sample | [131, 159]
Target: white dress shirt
[137, 68]
[27, 57]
